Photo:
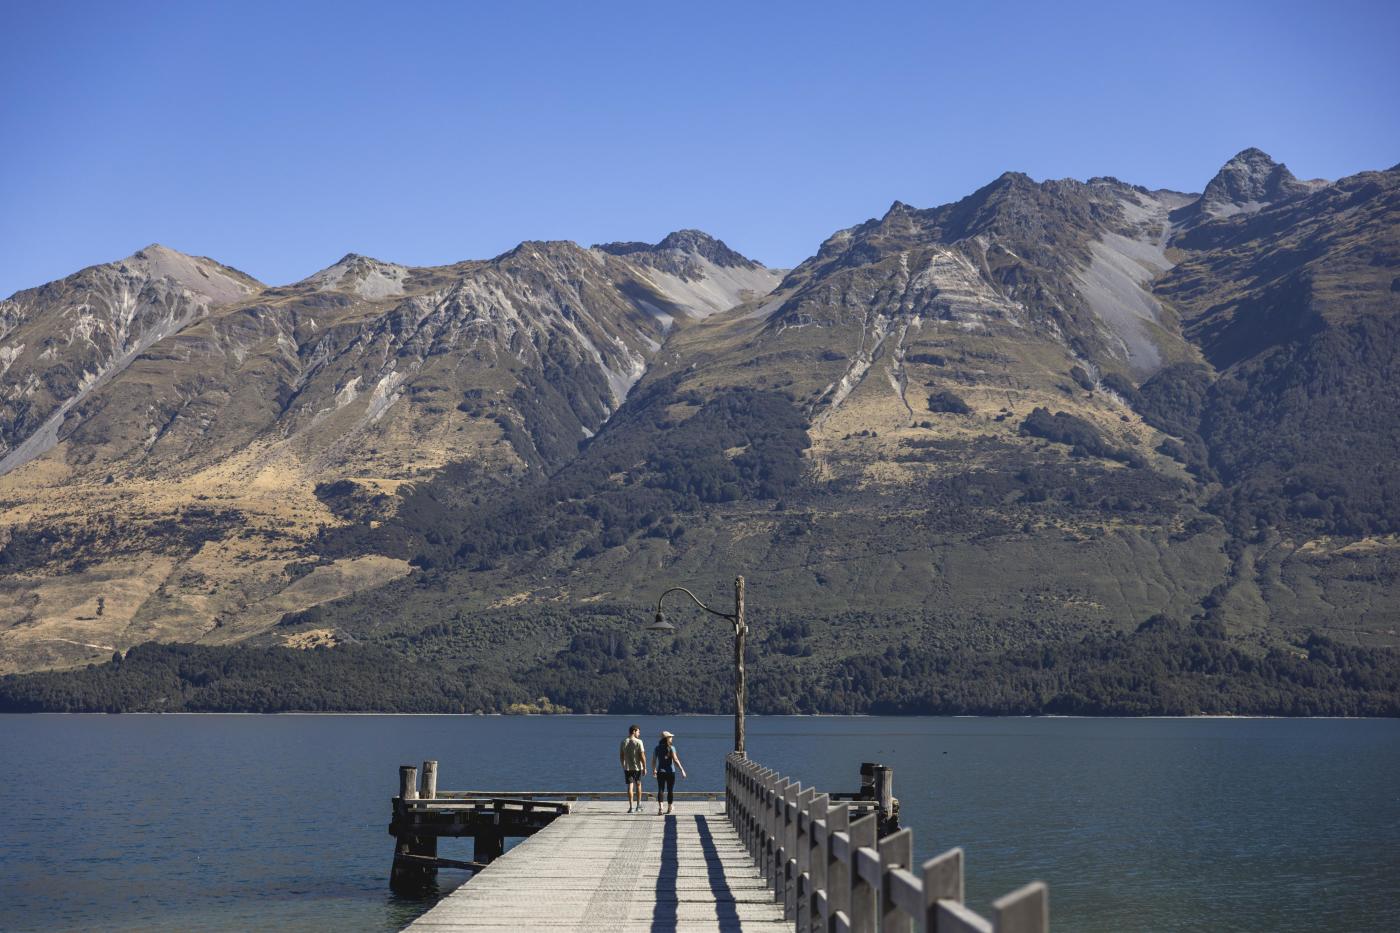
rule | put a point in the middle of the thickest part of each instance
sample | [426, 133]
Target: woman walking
[665, 761]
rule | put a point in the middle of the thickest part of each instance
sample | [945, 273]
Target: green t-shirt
[633, 754]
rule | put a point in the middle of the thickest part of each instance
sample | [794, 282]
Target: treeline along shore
[1164, 667]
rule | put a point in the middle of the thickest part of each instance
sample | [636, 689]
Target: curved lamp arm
[680, 589]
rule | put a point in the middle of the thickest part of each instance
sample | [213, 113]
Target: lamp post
[741, 629]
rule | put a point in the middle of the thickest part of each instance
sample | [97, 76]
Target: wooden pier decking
[601, 868]
[771, 855]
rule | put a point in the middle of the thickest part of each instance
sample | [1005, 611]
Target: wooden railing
[833, 875]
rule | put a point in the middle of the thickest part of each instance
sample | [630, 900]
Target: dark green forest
[639, 476]
[1163, 668]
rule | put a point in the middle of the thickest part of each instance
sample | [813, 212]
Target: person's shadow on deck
[665, 915]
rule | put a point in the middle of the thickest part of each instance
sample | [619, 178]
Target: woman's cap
[667, 735]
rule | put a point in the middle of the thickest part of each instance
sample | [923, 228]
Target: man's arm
[622, 754]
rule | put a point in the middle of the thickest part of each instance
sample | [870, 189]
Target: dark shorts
[632, 777]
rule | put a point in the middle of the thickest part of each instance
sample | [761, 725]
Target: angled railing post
[838, 883]
[789, 867]
[770, 822]
[952, 917]
[756, 816]
[780, 850]
[816, 862]
[803, 854]
[749, 783]
[769, 846]
[864, 901]
[896, 851]
[1025, 910]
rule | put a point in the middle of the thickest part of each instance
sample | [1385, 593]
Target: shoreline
[725, 716]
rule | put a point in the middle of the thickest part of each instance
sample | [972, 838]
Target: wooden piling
[412, 871]
[489, 844]
[429, 786]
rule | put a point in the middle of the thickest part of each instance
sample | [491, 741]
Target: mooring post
[889, 806]
[429, 787]
[407, 875]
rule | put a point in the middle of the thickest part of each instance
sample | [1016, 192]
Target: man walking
[634, 765]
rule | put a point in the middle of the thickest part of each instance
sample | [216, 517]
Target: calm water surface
[279, 822]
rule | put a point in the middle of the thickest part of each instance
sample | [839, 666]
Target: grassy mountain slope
[182, 498]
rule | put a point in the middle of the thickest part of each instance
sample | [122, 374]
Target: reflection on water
[238, 822]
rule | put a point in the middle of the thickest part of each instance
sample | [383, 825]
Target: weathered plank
[601, 868]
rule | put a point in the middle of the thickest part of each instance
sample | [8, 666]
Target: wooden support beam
[566, 794]
[952, 917]
[439, 862]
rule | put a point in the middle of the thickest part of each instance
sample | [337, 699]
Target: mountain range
[1046, 412]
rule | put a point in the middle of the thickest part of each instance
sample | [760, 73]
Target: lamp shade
[661, 625]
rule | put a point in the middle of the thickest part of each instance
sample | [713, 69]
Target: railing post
[773, 825]
[838, 879]
[803, 854]
[756, 814]
[766, 844]
[816, 862]
[789, 867]
[896, 851]
[747, 789]
[1026, 910]
[943, 881]
[780, 849]
[729, 790]
[864, 904]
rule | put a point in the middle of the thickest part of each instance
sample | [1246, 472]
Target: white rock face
[92, 325]
[358, 275]
[543, 335]
[718, 289]
[1116, 287]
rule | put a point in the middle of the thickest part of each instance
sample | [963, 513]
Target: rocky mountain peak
[675, 246]
[360, 275]
[897, 211]
[201, 275]
[1249, 181]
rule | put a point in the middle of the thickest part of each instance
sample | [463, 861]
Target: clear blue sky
[278, 136]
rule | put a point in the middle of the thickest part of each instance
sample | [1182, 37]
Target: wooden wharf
[764, 854]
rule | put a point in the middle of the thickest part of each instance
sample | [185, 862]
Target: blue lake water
[280, 822]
